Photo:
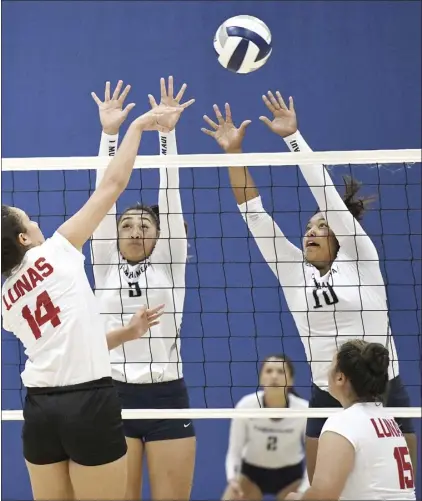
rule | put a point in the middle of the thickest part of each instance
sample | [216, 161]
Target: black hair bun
[376, 358]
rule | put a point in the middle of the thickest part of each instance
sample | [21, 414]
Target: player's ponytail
[365, 365]
[12, 252]
[356, 205]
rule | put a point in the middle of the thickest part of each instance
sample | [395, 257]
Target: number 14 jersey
[49, 305]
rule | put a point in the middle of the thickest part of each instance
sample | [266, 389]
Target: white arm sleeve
[353, 240]
[237, 441]
[104, 252]
[284, 258]
[171, 248]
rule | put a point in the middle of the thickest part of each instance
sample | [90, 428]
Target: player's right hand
[227, 135]
[236, 490]
[142, 321]
[112, 113]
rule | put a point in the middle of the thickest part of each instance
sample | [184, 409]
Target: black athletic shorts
[272, 480]
[82, 422]
[169, 395]
[397, 396]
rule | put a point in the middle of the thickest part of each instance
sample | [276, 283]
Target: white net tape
[220, 160]
[332, 158]
[262, 413]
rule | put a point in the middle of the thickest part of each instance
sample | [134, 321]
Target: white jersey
[382, 468]
[160, 279]
[350, 300]
[266, 443]
[49, 305]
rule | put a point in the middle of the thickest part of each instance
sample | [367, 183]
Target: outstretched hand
[143, 320]
[227, 135]
[284, 122]
[112, 113]
[169, 106]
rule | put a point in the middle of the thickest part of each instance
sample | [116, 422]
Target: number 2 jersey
[265, 443]
[350, 301]
[160, 279]
[49, 305]
[382, 467]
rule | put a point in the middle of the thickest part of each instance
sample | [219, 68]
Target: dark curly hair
[12, 251]
[365, 365]
[356, 205]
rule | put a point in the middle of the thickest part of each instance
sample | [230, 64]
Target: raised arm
[283, 257]
[104, 251]
[172, 245]
[353, 240]
[79, 228]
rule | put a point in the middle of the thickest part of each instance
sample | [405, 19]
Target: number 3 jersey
[350, 301]
[122, 288]
[382, 467]
[265, 443]
[49, 305]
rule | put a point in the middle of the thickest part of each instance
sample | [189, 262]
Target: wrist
[233, 150]
[111, 131]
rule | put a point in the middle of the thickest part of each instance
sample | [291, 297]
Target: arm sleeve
[171, 248]
[353, 240]
[284, 258]
[237, 441]
[104, 252]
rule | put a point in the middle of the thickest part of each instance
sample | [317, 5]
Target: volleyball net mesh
[235, 313]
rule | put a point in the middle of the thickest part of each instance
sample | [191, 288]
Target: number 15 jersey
[49, 305]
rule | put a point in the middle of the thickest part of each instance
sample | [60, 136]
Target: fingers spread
[218, 114]
[281, 100]
[266, 121]
[107, 92]
[208, 132]
[163, 88]
[170, 87]
[268, 104]
[152, 101]
[180, 93]
[244, 125]
[128, 108]
[124, 94]
[210, 122]
[228, 113]
[117, 89]
[96, 99]
[273, 100]
[188, 103]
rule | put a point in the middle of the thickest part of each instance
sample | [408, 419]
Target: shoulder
[61, 243]
[297, 402]
[346, 424]
[251, 401]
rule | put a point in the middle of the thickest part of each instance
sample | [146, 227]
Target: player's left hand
[284, 122]
[142, 321]
[168, 101]
[112, 113]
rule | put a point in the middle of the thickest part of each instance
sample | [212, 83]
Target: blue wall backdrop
[354, 69]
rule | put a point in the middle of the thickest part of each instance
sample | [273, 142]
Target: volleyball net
[235, 313]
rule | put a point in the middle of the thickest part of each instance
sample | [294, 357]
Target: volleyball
[243, 44]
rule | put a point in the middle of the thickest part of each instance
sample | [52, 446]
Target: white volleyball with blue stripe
[243, 44]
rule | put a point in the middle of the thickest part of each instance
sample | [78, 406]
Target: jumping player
[139, 259]
[266, 456]
[334, 288]
[362, 453]
[73, 439]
